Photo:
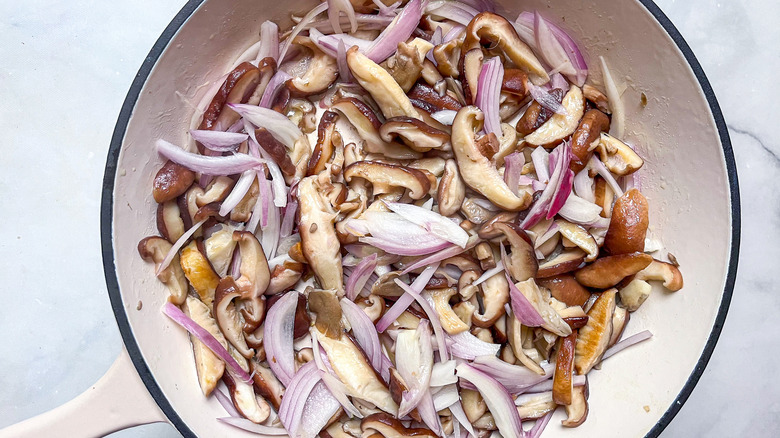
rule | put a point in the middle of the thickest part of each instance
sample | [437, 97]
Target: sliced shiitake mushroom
[228, 318]
[250, 405]
[429, 100]
[563, 383]
[566, 289]
[447, 56]
[219, 248]
[495, 295]
[216, 191]
[367, 125]
[237, 88]
[324, 304]
[322, 71]
[284, 277]
[609, 271]
[586, 137]
[560, 126]
[628, 227]
[441, 303]
[577, 410]
[535, 406]
[266, 384]
[634, 294]
[579, 236]
[353, 369]
[487, 26]
[386, 92]
[276, 149]
[619, 323]
[566, 261]
[617, 156]
[154, 249]
[387, 426]
[242, 212]
[477, 170]
[169, 221]
[327, 141]
[207, 364]
[319, 242]
[255, 273]
[522, 263]
[383, 176]
[662, 271]
[596, 97]
[470, 68]
[552, 320]
[406, 65]
[171, 181]
[593, 339]
[415, 133]
[198, 270]
[536, 115]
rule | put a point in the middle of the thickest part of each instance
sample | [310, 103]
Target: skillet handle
[117, 401]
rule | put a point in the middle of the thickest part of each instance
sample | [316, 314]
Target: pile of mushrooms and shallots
[405, 219]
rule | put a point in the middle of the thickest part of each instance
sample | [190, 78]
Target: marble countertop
[65, 72]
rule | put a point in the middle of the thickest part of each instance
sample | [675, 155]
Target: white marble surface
[65, 70]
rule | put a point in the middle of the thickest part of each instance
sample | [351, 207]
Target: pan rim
[106, 216]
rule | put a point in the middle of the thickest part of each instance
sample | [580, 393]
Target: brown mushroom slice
[242, 212]
[593, 339]
[566, 289]
[586, 137]
[390, 97]
[383, 176]
[495, 295]
[276, 149]
[284, 277]
[473, 404]
[237, 88]
[415, 133]
[322, 71]
[324, 304]
[609, 271]
[478, 171]
[619, 323]
[367, 125]
[662, 271]
[487, 26]
[552, 320]
[634, 294]
[604, 196]
[255, 273]
[515, 83]
[447, 56]
[327, 137]
[388, 427]
[319, 242]
[373, 306]
[596, 97]
[429, 100]
[516, 333]
[567, 261]
[352, 368]
[628, 226]
[219, 249]
[250, 405]
[577, 410]
[266, 384]
[536, 115]
[521, 263]
[406, 65]
[580, 237]
[154, 249]
[198, 270]
[470, 67]
[216, 191]
[560, 126]
[208, 365]
[617, 156]
[563, 383]
[535, 406]
[440, 299]
[228, 318]
[171, 181]
[169, 221]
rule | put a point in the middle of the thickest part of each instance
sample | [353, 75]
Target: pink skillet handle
[117, 401]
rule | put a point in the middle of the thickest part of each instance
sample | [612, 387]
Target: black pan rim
[106, 216]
